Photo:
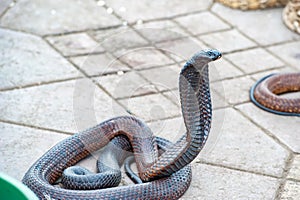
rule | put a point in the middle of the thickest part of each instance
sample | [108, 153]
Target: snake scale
[253, 4]
[164, 177]
[266, 93]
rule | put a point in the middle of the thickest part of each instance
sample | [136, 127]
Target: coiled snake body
[166, 176]
[266, 93]
[253, 4]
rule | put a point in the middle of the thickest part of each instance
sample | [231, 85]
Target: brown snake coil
[267, 92]
[166, 176]
[253, 4]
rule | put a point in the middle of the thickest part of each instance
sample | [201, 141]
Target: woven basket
[253, 4]
[291, 15]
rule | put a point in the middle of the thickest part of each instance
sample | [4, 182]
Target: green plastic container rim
[12, 189]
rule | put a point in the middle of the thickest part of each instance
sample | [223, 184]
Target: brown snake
[253, 4]
[266, 93]
[166, 176]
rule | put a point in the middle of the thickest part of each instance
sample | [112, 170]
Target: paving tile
[26, 59]
[75, 44]
[200, 23]
[238, 143]
[291, 191]
[286, 129]
[145, 58]
[259, 75]
[126, 85]
[131, 11]
[218, 89]
[99, 64]
[173, 95]
[177, 58]
[289, 53]
[52, 17]
[218, 100]
[69, 106]
[119, 41]
[170, 129]
[183, 48]
[258, 25]
[227, 41]
[211, 182]
[254, 60]
[5, 4]
[22, 146]
[222, 69]
[216, 131]
[236, 90]
[164, 78]
[295, 169]
[159, 31]
[151, 107]
[106, 34]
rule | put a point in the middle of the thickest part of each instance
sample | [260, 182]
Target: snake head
[207, 55]
[212, 54]
[201, 58]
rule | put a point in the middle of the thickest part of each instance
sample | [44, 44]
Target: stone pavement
[67, 65]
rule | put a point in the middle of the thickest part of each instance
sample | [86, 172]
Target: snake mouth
[215, 54]
[217, 58]
[212, 54]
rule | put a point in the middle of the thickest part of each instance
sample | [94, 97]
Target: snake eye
[213, 54]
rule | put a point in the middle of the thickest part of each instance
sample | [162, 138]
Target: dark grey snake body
[166, 176]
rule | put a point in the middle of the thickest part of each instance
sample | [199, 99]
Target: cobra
[165, 176]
